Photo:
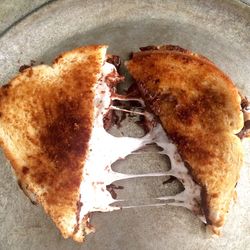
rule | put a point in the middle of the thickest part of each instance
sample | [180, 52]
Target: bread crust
[45, 125]
[199, 107]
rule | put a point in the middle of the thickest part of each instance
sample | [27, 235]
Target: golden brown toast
[45, 125]
[199, 107]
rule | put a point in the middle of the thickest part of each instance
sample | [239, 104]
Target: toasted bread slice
[199, 107]
[45, 124]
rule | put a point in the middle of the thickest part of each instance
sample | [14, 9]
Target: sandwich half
[200, 109]
[48, 115]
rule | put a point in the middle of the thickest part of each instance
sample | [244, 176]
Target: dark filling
[245, 105]
[163, 47]
[111, 188]
[115, 60]
[169, 180]
[79, 206]
[26, 66]
[26, 192]
[112, 79]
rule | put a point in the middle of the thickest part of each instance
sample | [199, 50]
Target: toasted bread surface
[199, 107]
[46, 116]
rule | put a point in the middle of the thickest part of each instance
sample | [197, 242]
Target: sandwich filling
[105, 149]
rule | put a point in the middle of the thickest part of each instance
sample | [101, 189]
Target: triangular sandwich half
[47, 116]
[200, 109]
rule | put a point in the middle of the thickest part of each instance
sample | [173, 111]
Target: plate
[217, 29]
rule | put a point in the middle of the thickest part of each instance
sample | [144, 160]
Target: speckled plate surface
[218, 29]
